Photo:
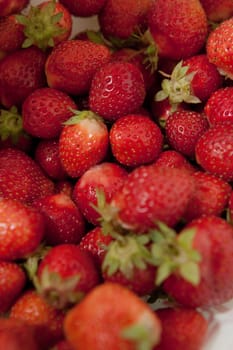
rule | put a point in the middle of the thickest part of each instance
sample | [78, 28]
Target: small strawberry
[32, 309]
[178, 34]
[219, 107]
[107, 177]
[72, 64]
[174, 159]
[64, 222]
[65, 275]
[11, 35]
[83, 8]
[135, 140]
[21, 72]
[12, 283]
[9, 7]
[182, 328]
[214, 150]
[45, 110]
[117, 89]
[218, 10]
[83, 143]
[219, 47]
[183, 129]
[128, 324]
[22, 229]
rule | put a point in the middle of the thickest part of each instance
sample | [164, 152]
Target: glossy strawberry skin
[9, 7]
[11, 34]
[219, 106]
[84, 8]
[173, 159]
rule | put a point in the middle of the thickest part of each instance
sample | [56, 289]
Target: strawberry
[12, 283]
[47, 156]
[218, 107]
[213, 283]
[11, 35]
[121, 19]
[219, 49]
[65, 275]
[210, 196]
[21, 178]
[21, 72]
[32, 309]
[118, 325]
[62, 345]
[183, 129]
[22, 229]
[135, 140]
[107, 177]
[83, 143]
[72, 64]
[83, 8]
[174, 159]
[46, 24]
[64, 186]
[214, 150]
[182, 328]
[218, 10]
[9, 7]
[117, 89]
[45, 110]
[64, 222]
[178, 34]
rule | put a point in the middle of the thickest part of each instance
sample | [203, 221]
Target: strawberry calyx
[41, 25]
[177, 86]
[11, 125]
[32, 261]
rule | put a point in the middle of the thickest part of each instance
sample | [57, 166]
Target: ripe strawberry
[83, 143]
[182, 328]
[210, 196]
[46, 24]
[107, 177]
[21, 72]
[135, 140]
[162, 108]
[9, 7]
[218, 10]
[121, 19]
[219, 47]
[64, 186]
[62, 345]
[83, 8]
[117, 89]
[118, 325]
[64, 222]
[71, 65]
[47, 156]
[214, 285]
[183, 129]
[214, 150]
[219, 107]
[22, 229]
[12, 283]
[174, 159]
[178, 34]
[11, 35]
[45, 110]
[31, 308]
[21, 178]
[66, 274]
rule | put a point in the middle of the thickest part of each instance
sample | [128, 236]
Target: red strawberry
[118, 325]
[219, 47]
[64, 222]
[46, 24]
[135, 140]
[11, 34]
[64, 186]
[83, 8]
[83, 143]
[117, 89]
[32, 309]
[183, 129]
[22, 229]
[107, 177]
[210, 196]
[66, 274]
[121, 19]
[214, 150]
[12, 283]
[174, 159]
[219, 107]
[21, 72]
[178, 34]
[218, 10]
[21, 177]
[71, 65]
[62, 345]
[9, 7]
[45, 110]
[182, 328]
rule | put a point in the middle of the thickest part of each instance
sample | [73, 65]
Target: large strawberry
[11, 35]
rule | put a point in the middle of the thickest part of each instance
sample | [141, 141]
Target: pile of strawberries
[116, 172]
